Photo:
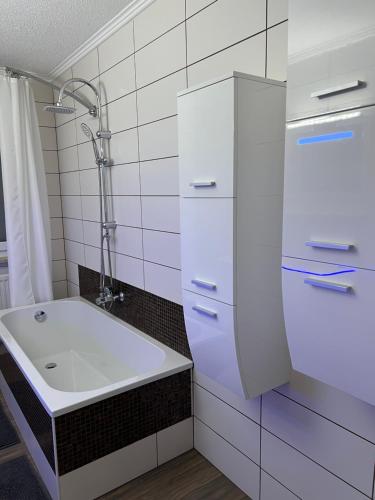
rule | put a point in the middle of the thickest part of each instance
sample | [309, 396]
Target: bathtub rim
[51, 398]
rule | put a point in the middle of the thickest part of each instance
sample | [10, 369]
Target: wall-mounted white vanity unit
[231, 147]
[329, 196]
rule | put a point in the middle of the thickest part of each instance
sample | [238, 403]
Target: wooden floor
[188, 477]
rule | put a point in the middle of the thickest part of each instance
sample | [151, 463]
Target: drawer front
[330, 324]
[210, 327]
[336, 69]
[329, 202]
[207, 231]
[206, 141]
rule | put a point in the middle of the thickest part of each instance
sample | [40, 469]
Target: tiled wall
[304, 440]
[43, 95]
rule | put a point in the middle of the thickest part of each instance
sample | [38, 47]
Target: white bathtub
[96, 355]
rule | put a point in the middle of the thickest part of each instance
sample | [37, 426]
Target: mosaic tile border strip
[160, 318]
[89, 433]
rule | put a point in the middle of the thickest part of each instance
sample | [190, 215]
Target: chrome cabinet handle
[204, 284]
[203, 184]
[330, 245]
[339, 88]
[329, 285]
[205, 312]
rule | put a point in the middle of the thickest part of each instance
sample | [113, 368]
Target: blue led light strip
[317, 274]
[336, 136]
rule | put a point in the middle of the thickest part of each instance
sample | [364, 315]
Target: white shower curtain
[25, 195]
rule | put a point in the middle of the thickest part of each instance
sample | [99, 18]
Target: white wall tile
[54, 203]
[159, 99]
[66, 135]
[51, 163]
[90, 208]
[127, 210]
[158, 18]
[247, 57]
[45, 118]
[70, 183]
[73, 230]
[193, 6]
[122, 114]
[163, 281]
[222, 24]
[175, 440]
[240, 431]
[162, 248]
[338, 450]
[73, 289]
[161, 57]
[116, 48]
[86, 157]
[158, 139]
[129, 270]
[68, 159]
[42, 92]
[87, 67]
[128, 241]
[118, 81]
[277, 11]
[277, 52]
[91, 233]
[160, 177]
[53, 184]
[92, 258]
[161, 213]
[72, 272]
[60, 290]
[57, 228]
[239, 469]
[300, 474]
[249, 407]
[74, 252]
[347, 411]
[58, 252]
[272, 490]
[125, 179]
[89, 182]
[58, 270]
[48, 138]
[71, 207]
[124, 147]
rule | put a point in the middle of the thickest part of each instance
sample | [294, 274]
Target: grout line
[315, 462]
[323, 416]
[260, 444]
[281, 484]
[266, 51]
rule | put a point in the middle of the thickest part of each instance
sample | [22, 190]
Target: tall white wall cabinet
[329, 196]
[231, 140]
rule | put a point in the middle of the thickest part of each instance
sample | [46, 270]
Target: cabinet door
[331, 56]
[210, 330]
[330, 324]
[329, 202]
[206, 141]
[207, 226]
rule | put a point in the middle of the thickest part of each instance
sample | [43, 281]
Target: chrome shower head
[87, 131]
[58, 108]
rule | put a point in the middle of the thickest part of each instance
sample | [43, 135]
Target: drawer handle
[203, 184]
[204, 284]
[329, 285]
[330, 245]
[205, 312]
[339, 88]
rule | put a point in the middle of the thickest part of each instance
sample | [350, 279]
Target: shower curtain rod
[17, 73]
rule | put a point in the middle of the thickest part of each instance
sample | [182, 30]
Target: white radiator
[4, 291]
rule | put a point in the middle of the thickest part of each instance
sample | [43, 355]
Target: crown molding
[123, 17]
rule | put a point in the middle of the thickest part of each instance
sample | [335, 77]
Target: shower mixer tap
[107, 296]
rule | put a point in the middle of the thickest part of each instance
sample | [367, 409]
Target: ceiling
[37, 35]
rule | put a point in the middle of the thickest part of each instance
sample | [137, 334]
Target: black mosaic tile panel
[35, 414]
[94, 431]
[160, 318]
